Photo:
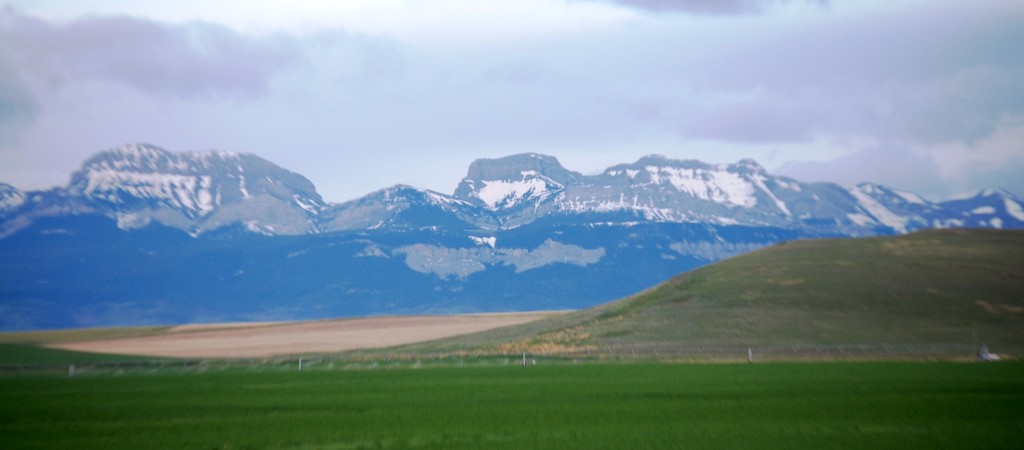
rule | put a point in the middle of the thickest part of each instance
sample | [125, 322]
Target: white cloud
[422, 22]
[360, 95]
[191, 59]
[718, 7]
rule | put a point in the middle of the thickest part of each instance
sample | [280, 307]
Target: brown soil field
[245, 340]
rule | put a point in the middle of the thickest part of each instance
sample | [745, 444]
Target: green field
[813, 405]
[25, 354]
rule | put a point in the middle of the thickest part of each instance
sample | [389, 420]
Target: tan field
[247, 340]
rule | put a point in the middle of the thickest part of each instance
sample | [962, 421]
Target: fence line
[616, 353]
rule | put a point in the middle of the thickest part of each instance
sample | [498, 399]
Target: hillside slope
[949, 286]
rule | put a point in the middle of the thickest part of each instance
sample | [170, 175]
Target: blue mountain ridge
[146, 236]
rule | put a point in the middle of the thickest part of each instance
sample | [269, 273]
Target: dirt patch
[987, 306]
[269, 339]
[192, 327]
[995, 309]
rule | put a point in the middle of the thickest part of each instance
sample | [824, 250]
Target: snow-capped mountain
[137, 185]
[404, 207]
[656, 188]
[523, 188]
[514, 182]
[142, 235]
[990, 208]
[199, 192]
[10, 198]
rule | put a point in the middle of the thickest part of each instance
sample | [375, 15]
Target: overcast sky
[926, 96]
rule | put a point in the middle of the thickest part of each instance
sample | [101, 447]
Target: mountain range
[145, 235]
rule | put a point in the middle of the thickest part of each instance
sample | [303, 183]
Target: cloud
[754, 120]
[716, 7]
[193, 59]
[17, 107]
[966, 105]
[935, 171]
[716, 80]
[1005, 175]
[893, 164]
[913, 77]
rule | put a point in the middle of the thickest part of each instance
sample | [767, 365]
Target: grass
[815, 405]
[946, 286]
[25, 354]
[78, 334]
[27, 347]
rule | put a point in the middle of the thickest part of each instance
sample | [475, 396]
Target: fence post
[300, 364]
[750, 355]
[524, 359]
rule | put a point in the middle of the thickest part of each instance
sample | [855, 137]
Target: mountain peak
[659, 160]
[195, 191]
[750, 165]
[511, 167]
[10, 197]
[510, 181]
[745, 165]
[880, 190]
[995, 192]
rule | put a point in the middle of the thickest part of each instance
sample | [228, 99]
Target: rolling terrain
[930, 287]
[961, 287]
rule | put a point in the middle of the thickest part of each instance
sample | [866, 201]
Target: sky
[359, 95]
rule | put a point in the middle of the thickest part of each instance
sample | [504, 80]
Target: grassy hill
[945, 286]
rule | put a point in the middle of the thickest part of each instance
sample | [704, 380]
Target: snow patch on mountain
[488, 241]
[860, 219]
[876, 209]
[497, 194]
[758, 181]
[460, 263]
[10, 197]
[191, 193]
[313, 208]
[648, 210]
[1014, 209]
[713, 251]
[910, 197]
[441, 199]
[787, 184]
[718, 186]
[132, 221]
